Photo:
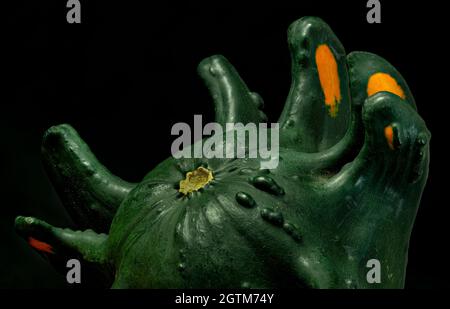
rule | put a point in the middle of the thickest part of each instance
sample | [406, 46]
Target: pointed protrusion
[391, 151]
[233, 101]
[46, 238]
[317, 113]
[88, 190]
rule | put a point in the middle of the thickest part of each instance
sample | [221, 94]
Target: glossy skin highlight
[346, 190]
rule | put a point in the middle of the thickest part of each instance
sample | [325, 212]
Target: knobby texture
[354, 157]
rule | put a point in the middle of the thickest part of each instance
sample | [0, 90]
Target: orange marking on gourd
[40, 245]
[329, 78]
[384, 82]
[389, 134]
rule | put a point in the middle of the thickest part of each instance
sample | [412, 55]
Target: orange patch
[389, 134]
[329, 78]
[384, 82]
[40, 245]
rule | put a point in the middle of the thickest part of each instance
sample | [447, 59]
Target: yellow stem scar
[329, 78]
[384, 82]
[389, 134]
[195, 180]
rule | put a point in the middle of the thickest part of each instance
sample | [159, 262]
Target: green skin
[339, 197]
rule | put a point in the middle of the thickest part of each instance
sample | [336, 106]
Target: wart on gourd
[349, 117]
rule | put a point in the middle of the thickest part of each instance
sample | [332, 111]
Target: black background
[127, 73]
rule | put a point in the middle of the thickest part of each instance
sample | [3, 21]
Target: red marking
[40, 245]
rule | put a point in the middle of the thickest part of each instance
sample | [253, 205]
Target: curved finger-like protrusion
[378, 194]
[88, 190]
[233, 101]
[396, 147]
[371, 74]
[317, 113]
[52, 240]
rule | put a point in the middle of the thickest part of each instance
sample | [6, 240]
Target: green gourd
[353, 164]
